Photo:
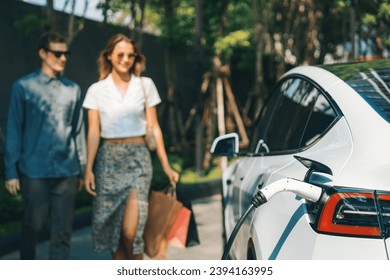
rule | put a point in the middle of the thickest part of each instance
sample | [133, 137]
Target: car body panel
[285, 242]
[272, 168]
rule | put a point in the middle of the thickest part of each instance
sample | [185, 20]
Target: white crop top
[121, 116]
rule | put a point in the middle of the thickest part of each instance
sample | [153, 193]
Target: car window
[291, 112]
[295, 116]
[320, 119]
[376, 93]
[370, 79]
[261, 123]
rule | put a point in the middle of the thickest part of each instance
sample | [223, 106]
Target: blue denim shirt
[45, 128]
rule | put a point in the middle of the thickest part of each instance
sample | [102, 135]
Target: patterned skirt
[120, 168]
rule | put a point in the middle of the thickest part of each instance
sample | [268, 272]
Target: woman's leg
[129, 230]
[120, 253]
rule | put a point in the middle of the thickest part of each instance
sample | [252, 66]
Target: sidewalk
[208, 218]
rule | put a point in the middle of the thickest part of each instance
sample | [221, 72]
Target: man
[45, 148]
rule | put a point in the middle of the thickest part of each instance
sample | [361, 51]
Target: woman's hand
[89, 183]
[172, 175]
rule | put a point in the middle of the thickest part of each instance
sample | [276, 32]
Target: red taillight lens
[354, 213]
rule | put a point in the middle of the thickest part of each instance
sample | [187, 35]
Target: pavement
[208, 216]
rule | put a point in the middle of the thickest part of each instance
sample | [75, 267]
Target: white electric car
[319, 163]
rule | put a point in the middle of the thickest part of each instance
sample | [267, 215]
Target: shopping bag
[162, 212]
[177, 236]
[192, 235]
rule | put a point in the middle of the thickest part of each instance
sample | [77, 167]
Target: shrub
[160, 180]
[11, 206]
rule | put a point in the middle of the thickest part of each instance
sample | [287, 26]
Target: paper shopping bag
[192, 235]
[162, 212]
[178, 234]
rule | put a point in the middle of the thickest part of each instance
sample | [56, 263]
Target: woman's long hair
[105, 65]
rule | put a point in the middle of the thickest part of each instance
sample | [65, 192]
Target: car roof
[351, 71]
[369, 81]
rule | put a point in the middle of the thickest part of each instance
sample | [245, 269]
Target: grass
[9, 228]
[190, 176]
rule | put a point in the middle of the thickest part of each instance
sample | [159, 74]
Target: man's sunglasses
[58, 54]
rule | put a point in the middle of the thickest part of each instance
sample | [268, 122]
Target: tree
[74, 25]
[258, 39]
[52, 22]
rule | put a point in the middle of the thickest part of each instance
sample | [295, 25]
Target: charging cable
[302, 189]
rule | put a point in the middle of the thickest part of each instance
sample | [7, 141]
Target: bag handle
[149, 123]
[172, 189]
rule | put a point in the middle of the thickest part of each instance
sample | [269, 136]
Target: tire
[251, 253]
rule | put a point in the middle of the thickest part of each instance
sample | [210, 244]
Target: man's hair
[50, 37]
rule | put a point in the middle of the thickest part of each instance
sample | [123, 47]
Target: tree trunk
[105, 9]
[312, 34]
[198, 77]
[233, 107]
[175, 121]
[140, 26]
[170, 75]
[133, 23]
[71, 23]
[52, 24]
[258, 92]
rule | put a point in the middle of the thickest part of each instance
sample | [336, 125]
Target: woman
[122, 163]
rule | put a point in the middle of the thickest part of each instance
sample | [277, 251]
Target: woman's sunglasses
[58, 54]
[129, 55]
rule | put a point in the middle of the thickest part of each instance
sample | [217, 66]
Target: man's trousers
[52, 198]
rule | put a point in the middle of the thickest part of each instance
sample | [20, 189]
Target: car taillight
[356, 214]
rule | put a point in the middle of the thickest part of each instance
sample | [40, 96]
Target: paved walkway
[208, 218]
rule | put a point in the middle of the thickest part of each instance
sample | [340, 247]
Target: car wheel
[251, 253]
[224, 237]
